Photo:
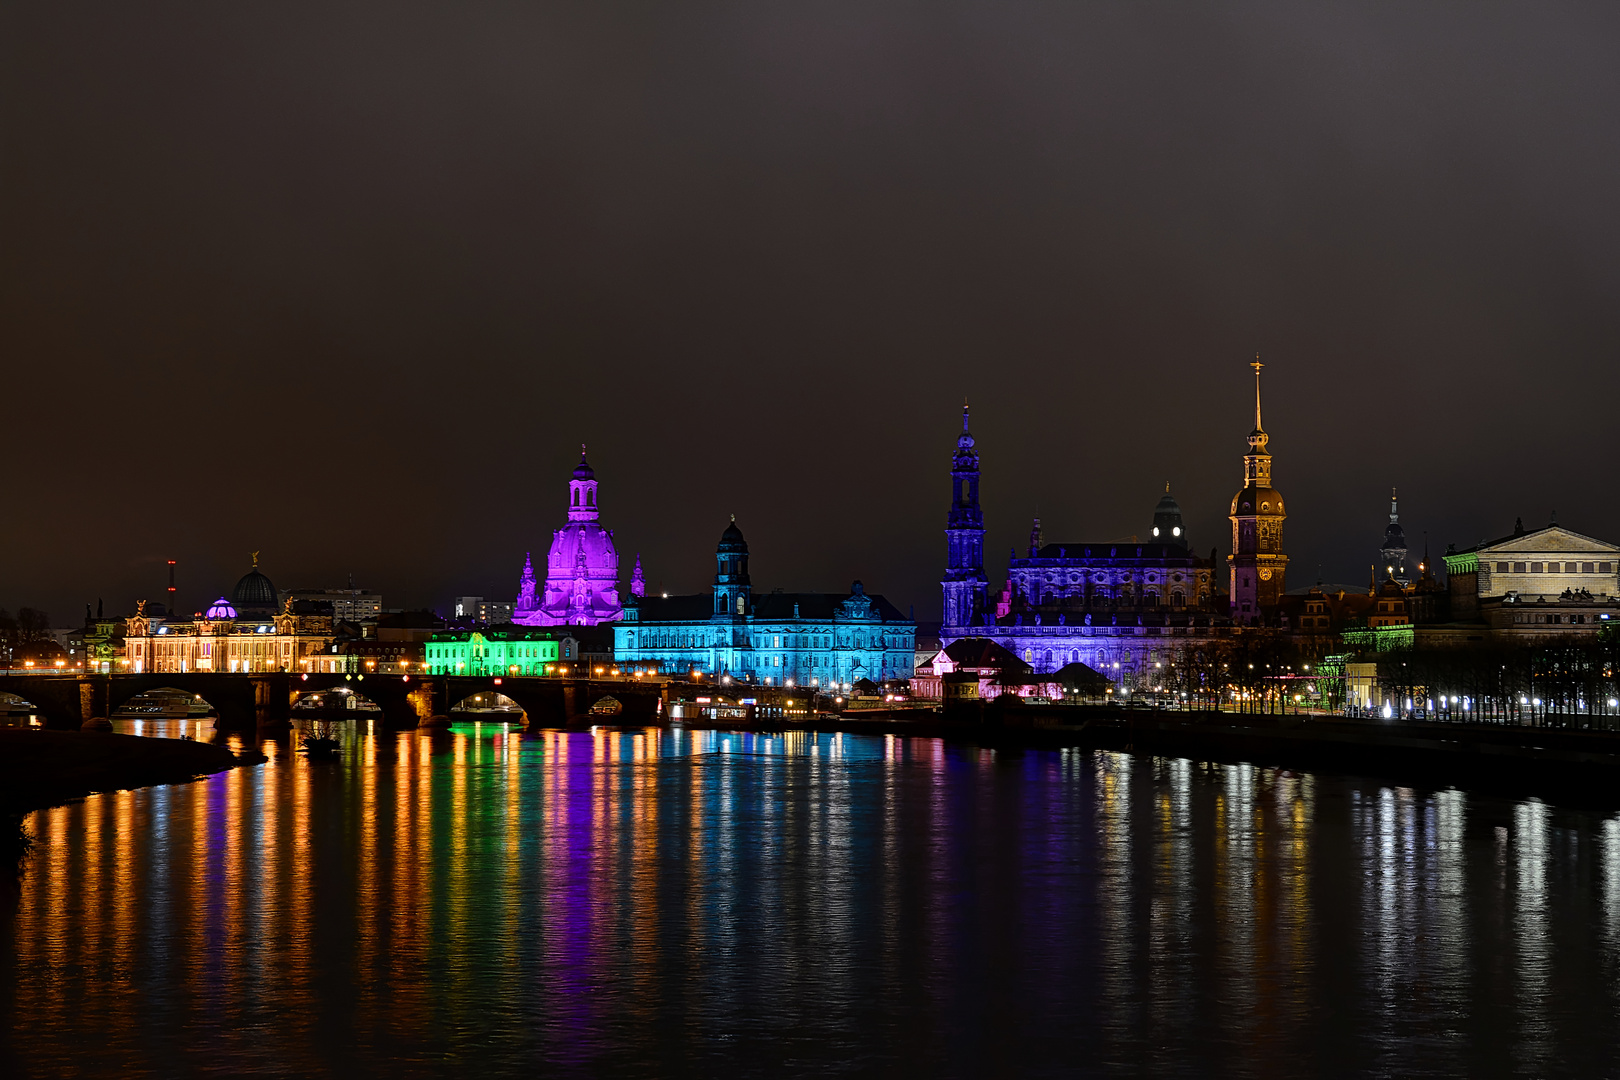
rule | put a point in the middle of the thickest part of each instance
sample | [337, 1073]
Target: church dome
[1394, 537]
[732, 540]
[254, 590]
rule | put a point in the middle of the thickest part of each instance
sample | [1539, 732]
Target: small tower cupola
[731, 584]
[582, 491]
[1167, 525]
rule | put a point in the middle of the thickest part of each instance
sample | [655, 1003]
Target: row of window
[1150, 597]
[1551, 617]
[1555, 568]
[1075, 578]
[1097, 662]
[672, 639]
[448, 652]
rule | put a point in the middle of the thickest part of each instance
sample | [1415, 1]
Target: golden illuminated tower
[1257, 560]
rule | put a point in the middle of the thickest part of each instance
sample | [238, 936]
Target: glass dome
[221, 609]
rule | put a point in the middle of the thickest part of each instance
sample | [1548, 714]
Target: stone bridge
[247, 701]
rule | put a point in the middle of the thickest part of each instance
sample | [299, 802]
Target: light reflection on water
[702, 903]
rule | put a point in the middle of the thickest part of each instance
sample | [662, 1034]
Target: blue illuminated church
[1118, 606]
[776, 638]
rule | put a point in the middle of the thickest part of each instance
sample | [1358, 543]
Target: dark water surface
[702, 904]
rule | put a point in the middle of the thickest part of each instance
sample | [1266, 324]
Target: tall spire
[1394, 507]
[964, 416]
[1257, 365]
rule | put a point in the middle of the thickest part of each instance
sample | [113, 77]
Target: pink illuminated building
[582, 567]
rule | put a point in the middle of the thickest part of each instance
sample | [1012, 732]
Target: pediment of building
[1551, 541]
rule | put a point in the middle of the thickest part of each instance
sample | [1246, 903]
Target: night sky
[350, 283]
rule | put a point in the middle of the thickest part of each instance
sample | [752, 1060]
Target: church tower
[964, 585]
[1393, 552]
[1257, 561]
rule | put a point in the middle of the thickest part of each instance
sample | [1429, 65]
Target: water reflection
[697, 902]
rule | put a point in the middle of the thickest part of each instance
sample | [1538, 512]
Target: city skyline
[1207, 528]
[356, 314]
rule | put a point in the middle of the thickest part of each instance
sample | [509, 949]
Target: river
[693, 903]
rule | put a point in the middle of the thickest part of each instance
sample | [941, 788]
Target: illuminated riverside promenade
[702, 903]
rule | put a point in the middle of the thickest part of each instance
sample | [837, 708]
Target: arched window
[590, 498]
[1178, 599]
[1047, 659]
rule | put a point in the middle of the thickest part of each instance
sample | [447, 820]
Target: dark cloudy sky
[350, 282]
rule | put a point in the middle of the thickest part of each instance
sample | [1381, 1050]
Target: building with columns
[582, 567]
[245, 633]
[1536, 582]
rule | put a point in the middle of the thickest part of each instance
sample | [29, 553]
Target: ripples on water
[695, 903]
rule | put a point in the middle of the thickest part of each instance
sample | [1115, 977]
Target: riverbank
[44, 768]
[1557, 764]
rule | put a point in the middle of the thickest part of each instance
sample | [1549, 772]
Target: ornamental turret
[731, 583]
[1257, 562]
[964, 586]
[582, 491]
[528, 599]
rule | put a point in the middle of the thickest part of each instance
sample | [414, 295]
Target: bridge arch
[14, 705]
[332, 701]
[163, 702]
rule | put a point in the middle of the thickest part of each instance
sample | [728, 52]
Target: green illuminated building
[513, 651]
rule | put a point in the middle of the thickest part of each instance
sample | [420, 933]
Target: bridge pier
[93, 695]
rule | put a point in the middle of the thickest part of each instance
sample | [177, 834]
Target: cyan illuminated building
[779, 639]
[582, 567]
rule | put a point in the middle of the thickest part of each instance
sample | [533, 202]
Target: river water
[654, 903]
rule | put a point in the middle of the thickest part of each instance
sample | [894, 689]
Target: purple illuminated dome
[221, 609]
[582, 567]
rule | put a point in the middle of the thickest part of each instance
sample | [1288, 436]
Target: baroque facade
[582, 566]
[491, 652]
[245, 633]
[1123, 608]
[776, 638]
[1117, 607]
